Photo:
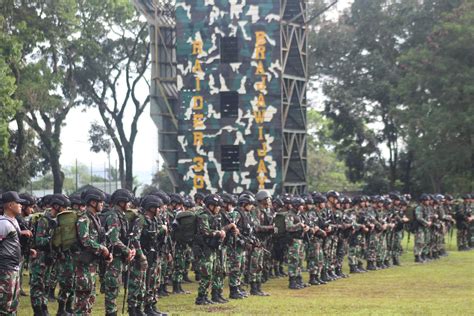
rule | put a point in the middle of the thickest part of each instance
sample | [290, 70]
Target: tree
[114, 71]
[356, 58]
[437, 113]
[325, 171]
[43, 76]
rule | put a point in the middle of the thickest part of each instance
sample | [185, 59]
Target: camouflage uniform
[293, 223]
[65, 274]
[463, 212]
[92, 240]
[138, 267]
[314, 251]
[356, 241]
[41, 265]
[421, 237]
[235, 252]
[149, 243]
[117, 233]
[205, 248]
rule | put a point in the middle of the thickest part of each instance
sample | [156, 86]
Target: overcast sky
[76, 146]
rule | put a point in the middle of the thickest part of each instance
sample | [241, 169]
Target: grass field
[443, 287]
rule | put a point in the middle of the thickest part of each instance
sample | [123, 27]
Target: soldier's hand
[105, 252]
[430, 223]
[236, 231]
[165, 228]
[131, 255]
[109, 259]
[26, 233]
[222, 234]
[33, 253]
[275, 230]
[305, 228]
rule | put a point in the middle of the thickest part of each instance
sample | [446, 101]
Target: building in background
[229, 81]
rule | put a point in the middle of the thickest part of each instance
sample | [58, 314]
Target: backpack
[279, 222]
[185, 227]
[65, 234]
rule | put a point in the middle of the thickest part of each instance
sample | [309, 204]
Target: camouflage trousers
[295, 257]
[340, 251]
[179, 264]
[220, 269]
[137, 282]
[112, 283]
[152, 280]
[462, 237]
[397, 248]
[9, 291]
[314, 256]
[371, 246]
[207, 265]
[356, 250]
[85, 275]
[381, 247]
[165, 267]
[428, 242]
[255, 263]
[420, 240]
[235, 262]
[329, 250]
[39, 280]
[65, 273]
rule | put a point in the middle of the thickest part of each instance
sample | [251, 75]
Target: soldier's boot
[387, 263]
[202, 300]
[313, 280]
[423, 258]
[259, 288]
[254, 289]
[360, 267]
[44, 308]
[436, 255]
[156, 310]
[353, 269]
[165, 289]
[371, 266]
[176, 288]
[186, 278]
[220, 292]
[62, 309]
[150, 312]
[270, 273]
[183, 291]
[282, 271]
[111, 314]
[418, 259]
[215, 297]
[293, 285]
[242, 292]
[332, 274]
[320, 280]
[299, 281]
[324, 276]
[37, 311]
[396, 261]
[234, 293]
[197, 276]
[341, 274]
[378, 265]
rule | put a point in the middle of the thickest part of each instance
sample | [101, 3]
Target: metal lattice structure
[167, 107]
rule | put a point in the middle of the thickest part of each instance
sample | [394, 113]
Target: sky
[74, 137]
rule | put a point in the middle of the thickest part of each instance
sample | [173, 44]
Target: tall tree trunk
[58, 175]
[128, 150]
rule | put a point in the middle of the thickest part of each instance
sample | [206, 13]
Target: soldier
[118, 233]
[261, 221]
[314, 252]
[400, 220]
[26, 240]
[208, 238]
[464, 218]
[296, 228]
[357, 238]
[153, 229]
[280, 239]
[10, 253]
[136, 274]
[235, 246]
[92, 247]
[41, 265]
[372, 237]
[422, 225]
[180, 249]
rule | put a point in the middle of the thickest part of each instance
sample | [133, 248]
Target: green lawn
[443, 287]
